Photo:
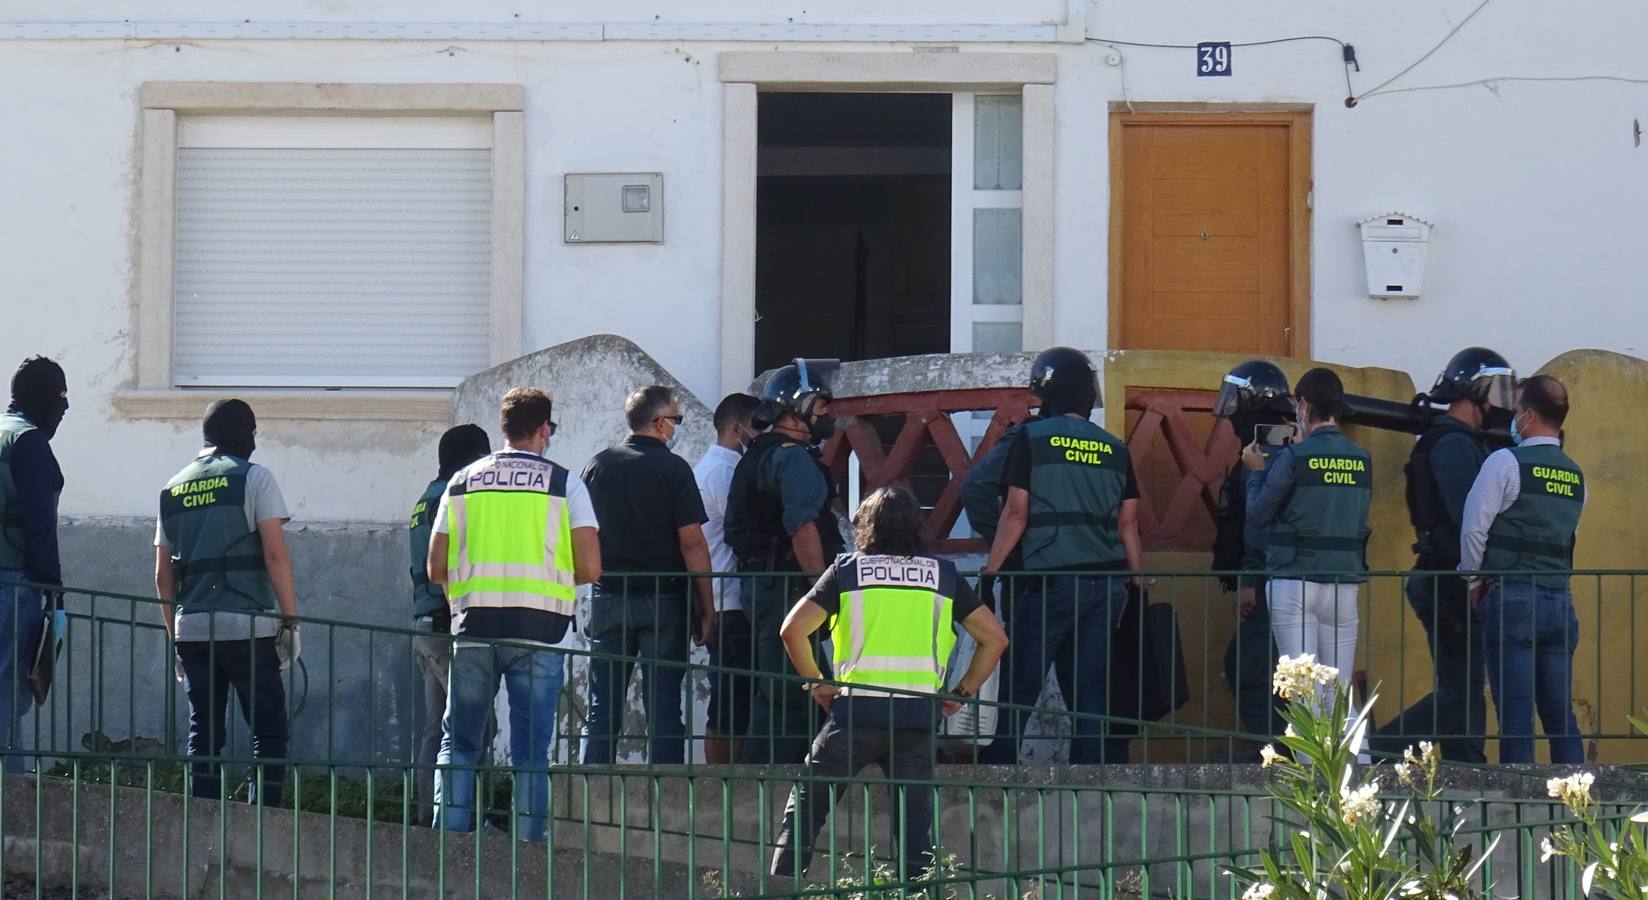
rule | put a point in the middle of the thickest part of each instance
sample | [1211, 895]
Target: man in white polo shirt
[731, 643]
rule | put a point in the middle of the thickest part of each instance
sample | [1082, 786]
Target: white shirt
[1497, 486]
[714, 476]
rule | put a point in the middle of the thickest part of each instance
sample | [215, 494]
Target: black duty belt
[1079, 517]
[1527, 547]
[1312, 542]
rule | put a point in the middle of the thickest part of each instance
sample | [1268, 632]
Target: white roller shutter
[332, 253]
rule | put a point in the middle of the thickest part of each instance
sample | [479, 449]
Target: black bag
[1147, 669]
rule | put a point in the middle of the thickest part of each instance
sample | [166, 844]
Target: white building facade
[339, 210]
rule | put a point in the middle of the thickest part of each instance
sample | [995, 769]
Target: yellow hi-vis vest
[894, 628]
[509, 554]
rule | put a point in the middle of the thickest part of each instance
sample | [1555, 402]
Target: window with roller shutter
[332, 252]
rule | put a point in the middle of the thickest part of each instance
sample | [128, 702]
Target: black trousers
[1455, 713]
[842, 749]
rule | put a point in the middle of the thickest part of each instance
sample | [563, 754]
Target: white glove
[177, 667]
[287, 645]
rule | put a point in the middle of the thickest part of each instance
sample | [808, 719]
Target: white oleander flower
[1361, 805]
[1404, 773]
[1548, 850]
[1259, 891]
[1297, 677]
[1429, 754]
[1268, 756]
[1574, 791]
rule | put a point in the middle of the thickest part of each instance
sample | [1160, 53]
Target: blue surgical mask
[674, 438]
[1516, 430]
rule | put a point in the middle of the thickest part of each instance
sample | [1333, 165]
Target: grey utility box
[608, 208]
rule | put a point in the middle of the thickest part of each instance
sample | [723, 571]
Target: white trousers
[1316, 618]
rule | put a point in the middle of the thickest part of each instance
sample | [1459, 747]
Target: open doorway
[853, 236]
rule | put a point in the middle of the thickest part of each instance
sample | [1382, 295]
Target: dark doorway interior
[852, 226]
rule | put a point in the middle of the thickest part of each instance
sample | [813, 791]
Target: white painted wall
[1535, 187]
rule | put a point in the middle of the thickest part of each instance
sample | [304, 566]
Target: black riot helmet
[796, 389]
[1478, 374]
[1251, 387]
[1065, 381]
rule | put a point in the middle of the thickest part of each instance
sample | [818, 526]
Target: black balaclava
[1069, 396]
[37, 389]
[230, 427]
[460, 446]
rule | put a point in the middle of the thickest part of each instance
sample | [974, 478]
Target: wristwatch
[961, 693]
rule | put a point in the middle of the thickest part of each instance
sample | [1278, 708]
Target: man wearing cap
[30, 482]
[222, 569]
[432, 618]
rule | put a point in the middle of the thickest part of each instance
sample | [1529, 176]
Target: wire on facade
[1347, 51]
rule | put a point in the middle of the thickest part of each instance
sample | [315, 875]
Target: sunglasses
[675, 419]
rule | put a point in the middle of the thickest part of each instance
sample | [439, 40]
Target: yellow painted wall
[1606, 434]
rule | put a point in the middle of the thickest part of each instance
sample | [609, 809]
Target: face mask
[674, 438]
[823, 428]
[745, 438]
[1516, 430]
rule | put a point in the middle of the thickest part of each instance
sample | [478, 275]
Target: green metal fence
[101, 804]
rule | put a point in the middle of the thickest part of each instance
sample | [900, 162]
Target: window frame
[155, 395]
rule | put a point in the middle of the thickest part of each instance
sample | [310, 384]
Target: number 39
[1215, 59]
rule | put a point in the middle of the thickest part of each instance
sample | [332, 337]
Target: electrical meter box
[607, 208]
[1393, 248]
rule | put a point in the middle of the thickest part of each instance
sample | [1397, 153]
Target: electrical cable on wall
[1347, 52]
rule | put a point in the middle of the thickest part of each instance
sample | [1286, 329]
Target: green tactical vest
[1537, 533]
[1322, 532]
[427, 599]
[219, 563]
[894, 627]
[12, 556]
[1078, 478]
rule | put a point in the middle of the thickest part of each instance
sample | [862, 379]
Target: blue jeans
[626, 627]
[533, 680]
[252, 670]
[1529, 633]
[1067, 622]
[21, 617]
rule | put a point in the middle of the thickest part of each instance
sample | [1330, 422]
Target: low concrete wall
[1102, 822]
[132, 843]
[714, 828]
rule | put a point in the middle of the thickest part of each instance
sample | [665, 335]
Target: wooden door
[1210, 232]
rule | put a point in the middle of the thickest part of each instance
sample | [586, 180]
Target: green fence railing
[99, 795]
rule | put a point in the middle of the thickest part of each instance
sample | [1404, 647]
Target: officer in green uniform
[780, 521]
[431, 617]
[891, 611]
[1072, 499]
[1313, 496]
[1520, 522]
[222, 564]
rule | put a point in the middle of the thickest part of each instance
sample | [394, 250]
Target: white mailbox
[1393, 247]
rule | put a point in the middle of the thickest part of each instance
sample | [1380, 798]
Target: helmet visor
[1496, 387]
[1231, 392]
